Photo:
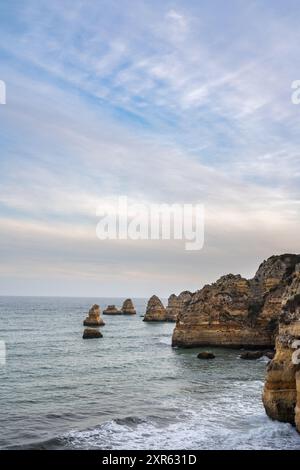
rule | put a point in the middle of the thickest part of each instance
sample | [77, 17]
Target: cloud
[175, 103]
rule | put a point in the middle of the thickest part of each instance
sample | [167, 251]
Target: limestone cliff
[281, 395]
[237, 312]
[155, 310]
[94, 317]
[176, 304]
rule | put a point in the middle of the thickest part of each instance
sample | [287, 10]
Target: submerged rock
[237, 312]
[206, 355]
[94, 317]
[252, 355]
[270, 354]
[155, 310]
[128, 307]
[91, 333]
[281, 395]
[111, 310]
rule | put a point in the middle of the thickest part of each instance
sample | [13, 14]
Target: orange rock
[94, 317]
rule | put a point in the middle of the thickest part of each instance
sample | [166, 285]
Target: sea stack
[111, 310]
[237, 312]
[155, 310]
[176, 305]
[91, 333]
[94, 317]
[128, 307]
[281, 395]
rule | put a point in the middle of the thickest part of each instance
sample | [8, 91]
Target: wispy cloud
[160, 101]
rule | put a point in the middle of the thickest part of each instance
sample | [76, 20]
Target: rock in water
[270, 354]
[281, 395]
[252, 355]
[94, 317]
[206, 355]
[128, 307]
[176, 304]
[112, 310]
[91, 333]
[237, 312]
[155, 310]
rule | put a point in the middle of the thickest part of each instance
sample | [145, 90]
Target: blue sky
[175, 101]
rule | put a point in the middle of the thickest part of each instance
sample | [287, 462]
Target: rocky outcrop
[270, 354]
[176, 305]
[128, 307]
[206, 355]
[155, 310]
[94, 317]
[251, 355]
[112, 310]
[281, 395]
[237, 312]
[91, 333]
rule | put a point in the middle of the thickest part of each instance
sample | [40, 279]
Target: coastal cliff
[281, 395]
[176, 304]
[235, 311]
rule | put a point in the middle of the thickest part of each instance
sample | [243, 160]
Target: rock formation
[237, 312]
[155, 310]
[91, 333]
[176, 305]
[251, 355]
[206, 355]
[111, 310]
[94, 317]
[281, 395]
[128, 307]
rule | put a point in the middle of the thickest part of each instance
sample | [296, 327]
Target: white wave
[194, 433]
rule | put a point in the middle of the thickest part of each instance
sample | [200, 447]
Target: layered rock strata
[112, 310]
[176, 305]
[155, 310]
[128, 307]
[281, 395]
[94, 317]
[237, 312]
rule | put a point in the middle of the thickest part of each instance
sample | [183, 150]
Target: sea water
[127, 390]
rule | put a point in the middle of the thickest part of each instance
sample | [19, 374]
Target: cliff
[237, 312]
[281, 395]
[176, 304]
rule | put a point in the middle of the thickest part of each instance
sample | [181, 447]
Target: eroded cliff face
[281, 395]
[176, 304]
[237, 312]
[155, 310]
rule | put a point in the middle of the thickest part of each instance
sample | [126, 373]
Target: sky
[163, 102]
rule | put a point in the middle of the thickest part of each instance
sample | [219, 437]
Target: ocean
[127, 390]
